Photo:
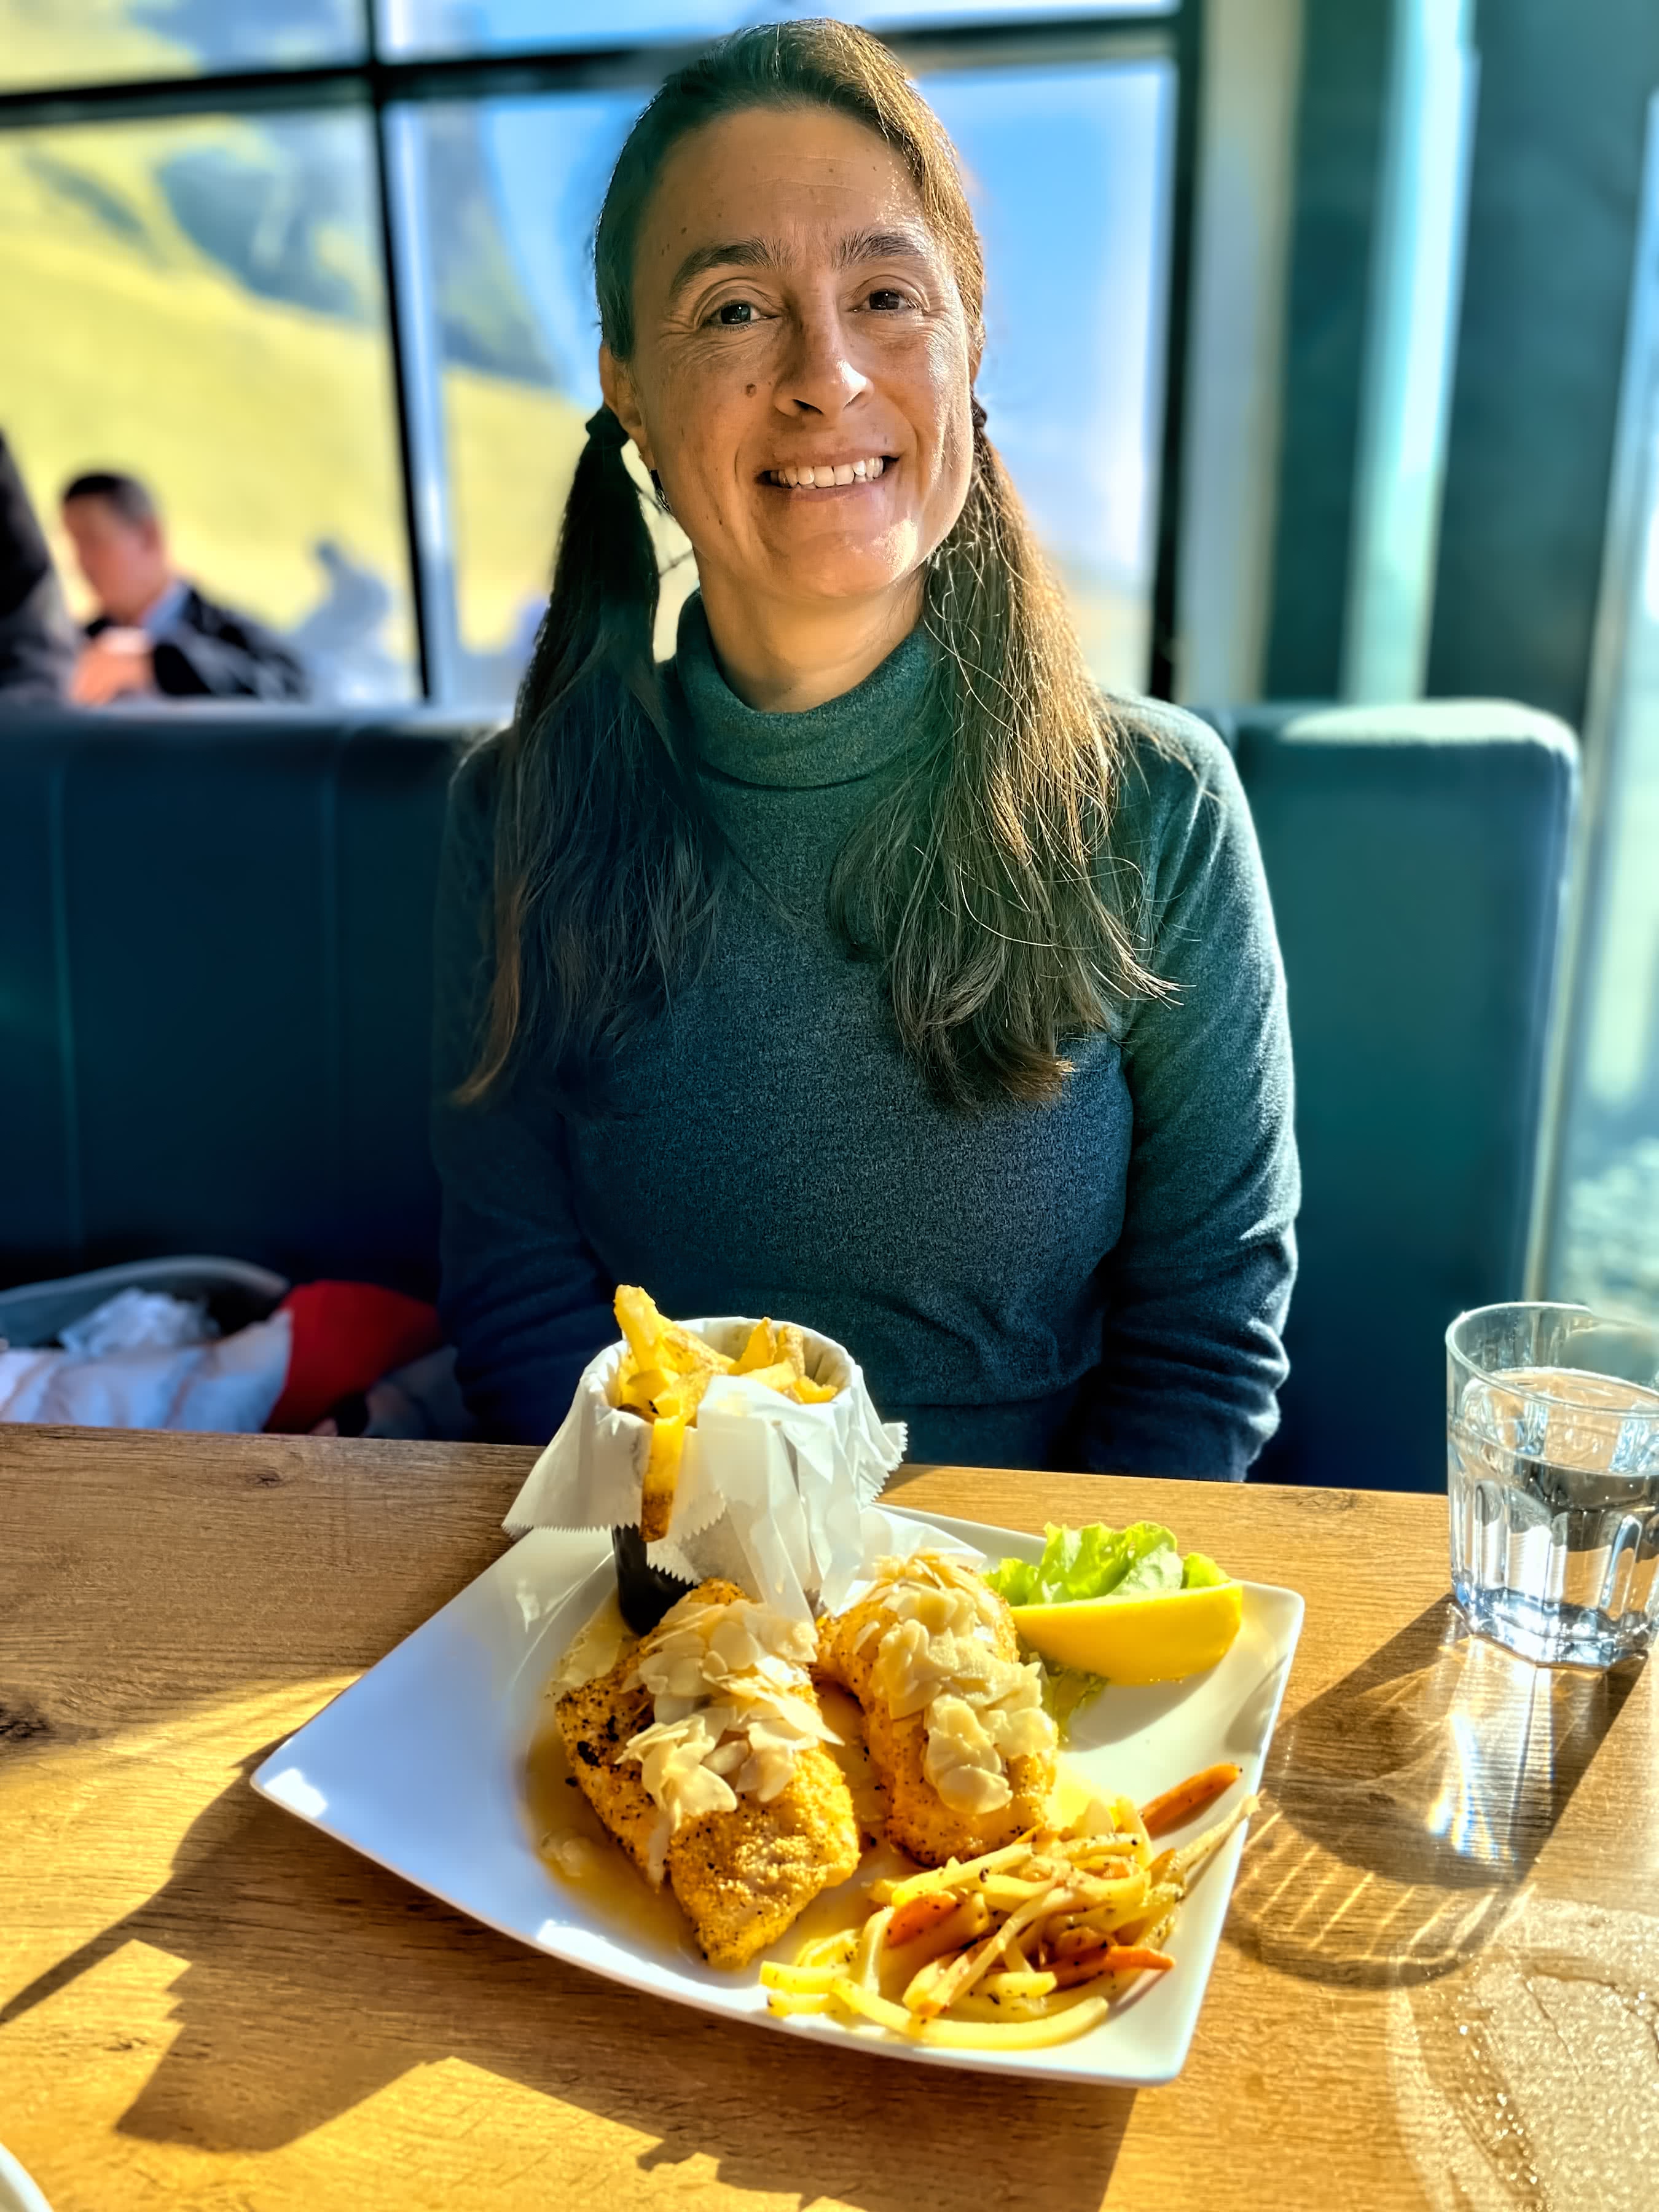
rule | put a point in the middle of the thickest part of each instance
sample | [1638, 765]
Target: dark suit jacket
[215, 652]
[37, 640]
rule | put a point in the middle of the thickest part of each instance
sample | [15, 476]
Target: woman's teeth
[843, 472]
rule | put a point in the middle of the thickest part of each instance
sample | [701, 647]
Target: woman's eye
[734, 315]
[886, 298]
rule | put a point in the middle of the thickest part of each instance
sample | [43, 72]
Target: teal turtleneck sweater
[1099, 1283]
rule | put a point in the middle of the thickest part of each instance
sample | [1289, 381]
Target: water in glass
[1554, 1481]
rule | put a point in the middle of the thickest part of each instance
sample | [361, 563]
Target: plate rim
[19, 2190]
[805, 2028]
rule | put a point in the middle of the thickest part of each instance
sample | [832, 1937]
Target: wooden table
[1438, 1988]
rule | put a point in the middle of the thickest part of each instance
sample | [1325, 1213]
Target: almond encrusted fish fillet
[741, 1877]
[919, 1821]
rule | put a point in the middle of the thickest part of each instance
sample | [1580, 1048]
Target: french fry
[640, 1322]
[1177, 1806]
[760, 1351]
[641, 1386]
[680, 1396]
[662, 1470]
[685, 1354]
[777, 1377]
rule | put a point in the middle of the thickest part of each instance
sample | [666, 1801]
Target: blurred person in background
[155, 633]
[37, 639]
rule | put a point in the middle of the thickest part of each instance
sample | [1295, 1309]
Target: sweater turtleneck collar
[841, 741]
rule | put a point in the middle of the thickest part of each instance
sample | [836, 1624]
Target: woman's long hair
[983, 888]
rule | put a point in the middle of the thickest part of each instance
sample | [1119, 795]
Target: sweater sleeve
[523, 1299]
[1199, 1283]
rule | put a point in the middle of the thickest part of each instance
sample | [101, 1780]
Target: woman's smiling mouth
[826, 476]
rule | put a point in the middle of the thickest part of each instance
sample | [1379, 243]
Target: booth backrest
[216, 983]
[216, 968]
[1418, 861]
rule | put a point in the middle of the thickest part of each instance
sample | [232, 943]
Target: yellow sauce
[609, 1882]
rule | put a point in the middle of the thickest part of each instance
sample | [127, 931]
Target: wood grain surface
[1438, 1988]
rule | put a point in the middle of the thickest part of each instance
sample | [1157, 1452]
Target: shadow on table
[1407, 1804]
[312, 1979]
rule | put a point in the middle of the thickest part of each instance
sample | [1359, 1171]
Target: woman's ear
[616, 382]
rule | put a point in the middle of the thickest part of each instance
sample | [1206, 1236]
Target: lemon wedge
[1161, 1638]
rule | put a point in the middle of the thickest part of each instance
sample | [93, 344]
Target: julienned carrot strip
[1108, 1959]
[918, 1915]
[1177, 1806]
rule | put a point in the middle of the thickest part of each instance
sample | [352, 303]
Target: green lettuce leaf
[1154, 1563]
[1064, 1689]
[1096, 1561]
[1200, 1573]
[1015, 1580]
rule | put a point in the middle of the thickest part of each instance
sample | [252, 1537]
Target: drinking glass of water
[1552, 1466]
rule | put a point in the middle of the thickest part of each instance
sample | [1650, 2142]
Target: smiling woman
[775, 381]
[862, 963]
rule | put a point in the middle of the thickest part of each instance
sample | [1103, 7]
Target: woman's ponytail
[987, 889]
[591, 791]
[602, 612]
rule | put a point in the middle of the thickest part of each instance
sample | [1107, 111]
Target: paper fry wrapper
[770, 1493]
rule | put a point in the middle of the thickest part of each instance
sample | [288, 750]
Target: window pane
[112, 41]
[1069, 172]
[1607, 1243]
[509, 192]
[206, 311]
[504, 26]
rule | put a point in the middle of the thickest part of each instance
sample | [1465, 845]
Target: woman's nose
[820, 376]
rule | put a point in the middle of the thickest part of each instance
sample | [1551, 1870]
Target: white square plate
[420, 1765]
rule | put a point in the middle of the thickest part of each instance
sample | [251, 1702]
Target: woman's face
[800, 379]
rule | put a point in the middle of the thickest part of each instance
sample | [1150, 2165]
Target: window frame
[383, 86]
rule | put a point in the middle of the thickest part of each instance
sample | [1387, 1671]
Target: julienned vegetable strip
[1177, 1806]
[1025, 1947]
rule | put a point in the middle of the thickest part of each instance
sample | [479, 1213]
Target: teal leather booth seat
[1418, 861]
[216, 978]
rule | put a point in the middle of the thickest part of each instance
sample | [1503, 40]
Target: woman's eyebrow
[731, 253]
[883, 245]
[765, 253]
